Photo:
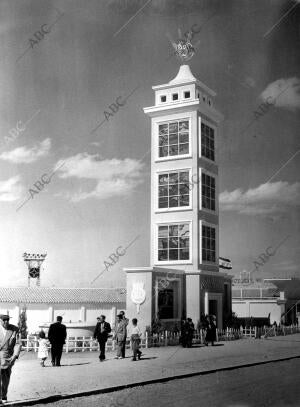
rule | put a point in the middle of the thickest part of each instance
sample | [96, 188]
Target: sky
[63, 63]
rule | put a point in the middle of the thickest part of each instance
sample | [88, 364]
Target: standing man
[10, 348]
[57, 336]
[101, 334]
[126, 322]
[120, 336]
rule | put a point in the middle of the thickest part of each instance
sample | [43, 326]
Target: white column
[113, 315]
[206, 308]
[82, 314]
[51, 313]
[192, 296]
[17, 313]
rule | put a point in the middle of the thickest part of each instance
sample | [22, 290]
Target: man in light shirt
[135, 340]
[10, 348]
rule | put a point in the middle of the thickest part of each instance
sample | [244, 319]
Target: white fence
[88, 343]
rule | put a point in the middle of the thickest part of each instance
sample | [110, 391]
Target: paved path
[82, 372]
[274, 384]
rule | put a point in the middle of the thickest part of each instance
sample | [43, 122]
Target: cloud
[269, 198]
[285, 92]
[11, 189]
[113, 177]
[24, 155]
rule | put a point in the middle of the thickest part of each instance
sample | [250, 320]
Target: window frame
[167, 262]
[156, 194]
[156, 135]
[215, 176]
[214, 226]
[214, 127]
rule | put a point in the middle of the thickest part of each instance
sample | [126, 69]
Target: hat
[3, 316]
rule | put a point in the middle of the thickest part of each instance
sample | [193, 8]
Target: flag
[225, 263]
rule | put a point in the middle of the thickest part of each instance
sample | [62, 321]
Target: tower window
[208, 192]
[174, 138]
[175, 96]
[173, 189]
[187, 94]
[207, 142]
[208, 244]
[173, 242]
[163, 99]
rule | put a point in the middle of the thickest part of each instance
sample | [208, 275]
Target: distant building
[79, 307]
[279, 298]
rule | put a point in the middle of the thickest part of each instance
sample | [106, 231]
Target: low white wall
[257, 308]
[38, 314]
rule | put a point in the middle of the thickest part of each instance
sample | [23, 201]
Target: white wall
[256, 308]
[38, 314]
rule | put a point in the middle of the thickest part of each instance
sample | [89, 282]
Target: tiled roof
[62, 295]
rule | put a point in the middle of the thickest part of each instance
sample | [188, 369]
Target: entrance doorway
[213, 307]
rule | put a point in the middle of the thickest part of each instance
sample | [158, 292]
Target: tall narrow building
[184, 204]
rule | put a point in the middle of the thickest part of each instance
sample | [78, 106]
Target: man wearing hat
[101, 334]
[10, 348]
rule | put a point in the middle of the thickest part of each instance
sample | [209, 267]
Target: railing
[89, 344]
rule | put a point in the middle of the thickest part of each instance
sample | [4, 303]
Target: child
[136, 340]
[43, 348]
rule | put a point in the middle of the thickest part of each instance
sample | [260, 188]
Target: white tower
[184, 190]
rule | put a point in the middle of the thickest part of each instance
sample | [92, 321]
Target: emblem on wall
[138, 295]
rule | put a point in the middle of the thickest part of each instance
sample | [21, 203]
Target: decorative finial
[184, 49]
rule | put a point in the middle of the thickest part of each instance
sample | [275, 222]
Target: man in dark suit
[10, 348]
[57, 336]
[101, 334]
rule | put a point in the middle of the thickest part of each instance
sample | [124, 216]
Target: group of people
[10, 344]
[122, 329]
[57, 336]
[208, 323]
[187, 332]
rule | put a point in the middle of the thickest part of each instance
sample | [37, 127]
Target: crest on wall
[138, 294]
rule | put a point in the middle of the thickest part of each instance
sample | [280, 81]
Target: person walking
[101, 333]
[10, 349]
[43, 348]
[126, 322]
[135, 340]
[120, 336]
[57, 336]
